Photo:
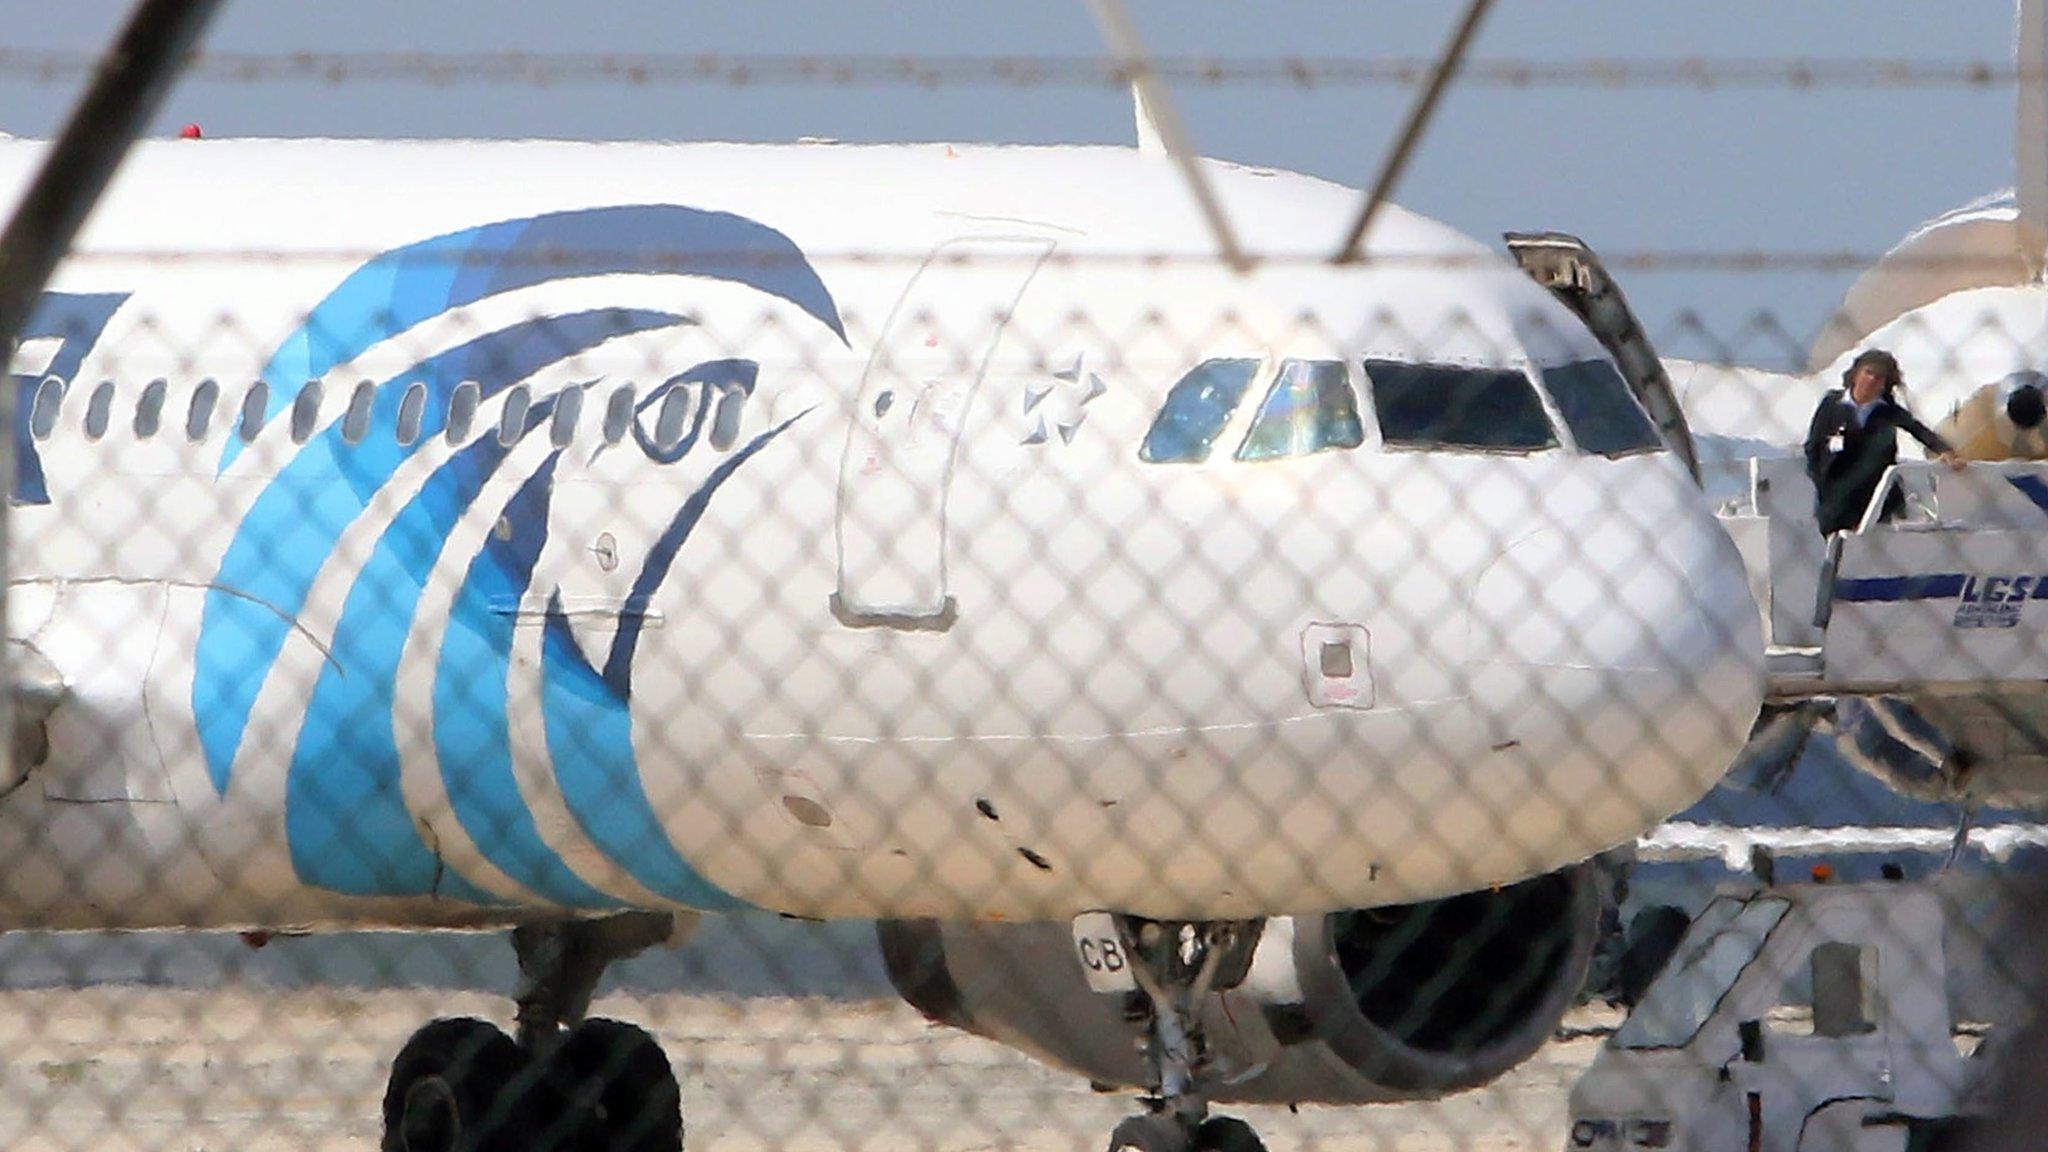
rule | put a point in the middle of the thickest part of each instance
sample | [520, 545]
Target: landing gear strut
[1176, 965]
[565, 1083]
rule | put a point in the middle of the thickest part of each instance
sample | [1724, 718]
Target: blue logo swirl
[347, 822]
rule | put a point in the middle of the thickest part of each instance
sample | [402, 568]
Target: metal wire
[57, 66]
[1638, 260]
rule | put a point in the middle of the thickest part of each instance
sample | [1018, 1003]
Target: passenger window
[412, 409]
[356, 423]
[1196, 409]
[462, 408]
[668, 423]
[253, 406]
[568, 409]
[49, 403]
[1600, 410]
[1309, 408]
[149, 410]
[199, 416]
[725, 424]
[306, 412]
[618, 415]
[99, 410]
[512, 418]
[1442, 406]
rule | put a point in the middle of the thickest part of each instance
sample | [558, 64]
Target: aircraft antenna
[1411, 132]
[1154, 102]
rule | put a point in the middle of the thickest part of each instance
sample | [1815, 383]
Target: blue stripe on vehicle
[405, 286]
[289, 532]
[472, 725]
[1927, 586]
[2035, 488]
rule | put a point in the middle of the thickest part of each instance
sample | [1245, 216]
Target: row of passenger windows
[1311, 407]
[672, 419]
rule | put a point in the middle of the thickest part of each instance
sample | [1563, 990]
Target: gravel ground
[786, 1036]
[251, 1070]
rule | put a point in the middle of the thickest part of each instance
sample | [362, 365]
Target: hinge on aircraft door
[1568, 268]
[940, 621]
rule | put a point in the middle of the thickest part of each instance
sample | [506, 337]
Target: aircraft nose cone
[1625, 655]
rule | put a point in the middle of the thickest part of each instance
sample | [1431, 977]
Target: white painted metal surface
[1845, 989]
[1123, 687]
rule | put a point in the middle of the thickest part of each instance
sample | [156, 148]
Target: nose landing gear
[1175, 966]
[567, 1083]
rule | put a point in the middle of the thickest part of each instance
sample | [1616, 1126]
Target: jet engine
[1394, 1003]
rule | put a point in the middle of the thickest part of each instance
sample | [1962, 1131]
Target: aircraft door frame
[903, 433]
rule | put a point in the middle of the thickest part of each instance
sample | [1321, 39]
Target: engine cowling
[1398, 1003]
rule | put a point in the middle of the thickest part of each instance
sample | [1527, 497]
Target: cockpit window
[1196, 410]
[1445, 406]
[1309, 408]
[1597, 406]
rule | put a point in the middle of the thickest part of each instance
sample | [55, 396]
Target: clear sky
[1630, 169]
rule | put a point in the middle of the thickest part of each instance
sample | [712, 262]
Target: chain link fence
[982, 697]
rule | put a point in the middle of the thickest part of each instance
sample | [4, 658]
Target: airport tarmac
[253, 1070]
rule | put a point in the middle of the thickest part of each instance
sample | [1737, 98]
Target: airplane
[1192, 671]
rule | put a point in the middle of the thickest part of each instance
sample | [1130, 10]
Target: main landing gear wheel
[1159, 1132]
[565, 1084]
[1227, 1134]
[613, 1082]
[1176, 965]
[453, 1089]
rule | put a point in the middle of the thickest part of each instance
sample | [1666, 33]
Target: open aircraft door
[902, 435]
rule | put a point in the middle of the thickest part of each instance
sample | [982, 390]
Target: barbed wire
[1031, 71]
[1642, 260]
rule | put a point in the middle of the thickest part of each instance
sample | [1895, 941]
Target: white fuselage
[888, 617]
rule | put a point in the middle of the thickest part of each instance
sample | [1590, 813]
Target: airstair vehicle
[1790, 1019]
[1917, 642]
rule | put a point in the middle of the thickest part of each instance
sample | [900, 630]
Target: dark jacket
[1845, 480]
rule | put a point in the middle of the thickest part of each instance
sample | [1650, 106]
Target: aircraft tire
[448, 1087]
[1227, 1134]
[1652, 937]
[619, 1088]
